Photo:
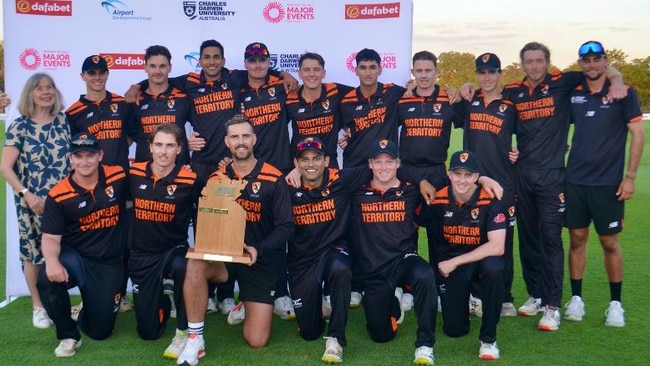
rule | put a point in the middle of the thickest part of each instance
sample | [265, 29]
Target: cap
[256, 49]
[84, 141]
[94, 62]
[591, 48]
[464, 159]
[384, 146]
[488, 61]
[310, 143]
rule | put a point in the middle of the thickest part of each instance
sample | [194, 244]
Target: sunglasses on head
[84, 143]
[309, 144]
[591, 47]
[257, 51]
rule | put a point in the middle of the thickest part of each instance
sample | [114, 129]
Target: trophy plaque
[221, 223]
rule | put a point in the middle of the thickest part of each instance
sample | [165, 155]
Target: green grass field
[585, 343]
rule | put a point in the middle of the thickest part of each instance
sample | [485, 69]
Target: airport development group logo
[372, 11]
[49, 8]
[32, 59]
[124, 61]
[388, 61]
[207, 10]
[121, 11]
[274, 12]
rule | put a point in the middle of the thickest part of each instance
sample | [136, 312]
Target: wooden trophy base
[195, 254]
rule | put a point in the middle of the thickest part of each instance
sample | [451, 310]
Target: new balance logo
[142, 186]
[82, 204]
[411, 109]
[612, 225]
[90, 114]
[590, 114]
[359, 107]
[449, 214]
[144, 107]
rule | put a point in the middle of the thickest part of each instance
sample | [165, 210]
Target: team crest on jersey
[503, 107]
[171, 103]
[605, 100]
[326, 104]
[561, 197]
[463, 157]
[499, 218]
[256, 187]
[171, 189]
[545, 90]
[511, 211]
[325, 193]
[114, 107]
[436, 107]
[399, 193]
[474, 213]
[110, 192]
[383, 144]
[224, 86]
[272, 92]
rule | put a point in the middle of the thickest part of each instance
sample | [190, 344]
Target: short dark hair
[426, 56]
[170, 128]
[211, 43]
[368, 54]
[238, 119]
[311, 56]
[157, 50]
[535, 46]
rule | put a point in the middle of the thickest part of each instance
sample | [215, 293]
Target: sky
[504, 26]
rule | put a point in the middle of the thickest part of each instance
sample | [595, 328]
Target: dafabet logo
[372, 11]
[50, 8]
[124, 61]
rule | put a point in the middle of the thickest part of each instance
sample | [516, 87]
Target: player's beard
[242, 154]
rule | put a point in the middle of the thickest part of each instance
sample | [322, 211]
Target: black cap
[257, 49]
[94, 62]
[84, 141]
[591, 48]
[464, 159]
[488, 61]
[310, 143]
[384, 146]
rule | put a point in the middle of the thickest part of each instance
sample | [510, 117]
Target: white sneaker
[284, 308]
[194, 349]
[326, 306]
[226, 305]
[125, 305]
[76, 310]
[178, 344]
[531, 307]
[475, 306]
[407, 301]
[67, 348]
[615, 315]
[398, 294]
[424, 356]
[212, 306]
[488, 351]
[355, 299]
[333, 351]
[575, 309]
[550, 320]
[237, 314]
[508, 309]
[40, 319]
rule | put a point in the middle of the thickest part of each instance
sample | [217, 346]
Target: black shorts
[256, 282]
[600, 204]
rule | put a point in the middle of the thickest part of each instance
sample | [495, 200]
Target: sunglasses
[309, 143]
[78, 143]
[257, 51]
[591, 47]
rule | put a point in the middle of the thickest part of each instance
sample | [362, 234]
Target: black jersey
[110, 121]
[370, 119]
[317, 118]
[321, 215]
[488, 130]
[426, 127]
[89, 221]
[171, 106]
[269, 221]
[162, 207]
[597, 155]
[543, 119]
[383, 226]
[265, 108]
[465, 226]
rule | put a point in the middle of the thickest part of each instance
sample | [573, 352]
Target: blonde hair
[26, 105]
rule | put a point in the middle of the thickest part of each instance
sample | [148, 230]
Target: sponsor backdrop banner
[55, 36]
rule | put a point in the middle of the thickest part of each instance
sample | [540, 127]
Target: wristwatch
[22, 192]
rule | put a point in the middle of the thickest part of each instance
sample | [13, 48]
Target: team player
[314, 108]
[159, 103]
[470, 248]
[269, 224]
[542, 103]
[384, 253]
[596, 187]
[164, 193]
[104, 114]
[83, 245]
[489, 122]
